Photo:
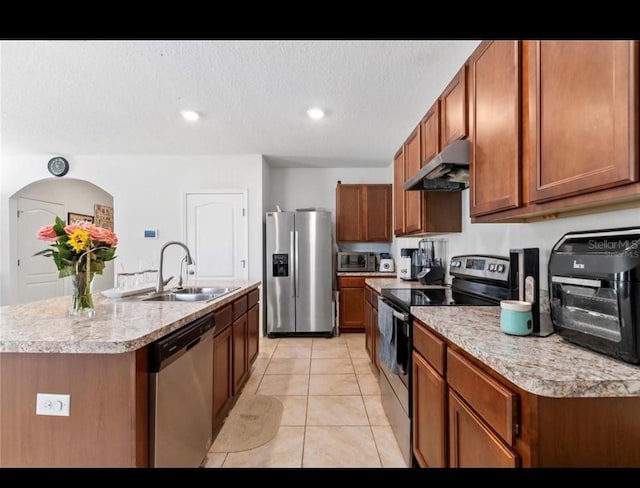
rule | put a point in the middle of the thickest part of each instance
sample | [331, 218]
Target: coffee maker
[432, 257]
[408, 265]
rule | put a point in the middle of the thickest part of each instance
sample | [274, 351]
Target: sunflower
[78, 240]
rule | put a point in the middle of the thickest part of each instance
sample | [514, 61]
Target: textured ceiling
[124, 97]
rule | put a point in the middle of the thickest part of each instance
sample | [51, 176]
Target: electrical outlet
[53, 404]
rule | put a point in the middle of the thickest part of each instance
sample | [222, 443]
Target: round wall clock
[58, 166]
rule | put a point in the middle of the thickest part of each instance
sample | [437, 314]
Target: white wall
[500, 238]
[148, 193]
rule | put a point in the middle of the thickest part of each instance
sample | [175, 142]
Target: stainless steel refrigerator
[299, 273]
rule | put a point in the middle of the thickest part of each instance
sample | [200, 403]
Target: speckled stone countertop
[546, 366]
[379, 283]
[119, 325]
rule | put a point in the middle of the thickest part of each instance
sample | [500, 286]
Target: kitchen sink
[218, 292]
[180, 297]
[191, 294]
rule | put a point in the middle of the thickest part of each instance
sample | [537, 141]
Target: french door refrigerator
[299, 273]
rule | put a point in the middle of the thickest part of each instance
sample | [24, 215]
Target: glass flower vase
[82, 299]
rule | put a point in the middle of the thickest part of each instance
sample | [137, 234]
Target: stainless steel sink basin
[191, 294]
[181, 297]
[204, 289]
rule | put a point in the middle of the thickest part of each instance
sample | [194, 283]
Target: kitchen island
[102, 363]
[481, 397]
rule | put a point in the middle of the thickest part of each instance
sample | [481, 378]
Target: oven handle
[399, 315]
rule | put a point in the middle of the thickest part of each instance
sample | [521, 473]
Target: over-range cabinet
[299, 273]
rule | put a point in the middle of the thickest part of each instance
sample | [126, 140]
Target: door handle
[293, 263]
[243, 261]
[297, 268]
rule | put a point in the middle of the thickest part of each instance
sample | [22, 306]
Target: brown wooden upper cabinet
[398, 192]
[494, 127]
[363, 213]
[430, 131]
[412, 199]
[553, 128]
[453, 109]
[582, 129]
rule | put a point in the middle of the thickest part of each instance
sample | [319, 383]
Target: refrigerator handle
[297, 268]
[292, 263]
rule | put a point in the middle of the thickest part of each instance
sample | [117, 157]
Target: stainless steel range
[478, 280]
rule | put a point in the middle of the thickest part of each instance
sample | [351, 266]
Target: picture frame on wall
[74, 217]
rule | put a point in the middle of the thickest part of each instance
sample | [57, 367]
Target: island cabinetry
[222, 365]
[240, 368]
[253, 327]
[109, 410]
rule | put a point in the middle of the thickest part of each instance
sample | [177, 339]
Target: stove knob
[500, 268]
[492, 267]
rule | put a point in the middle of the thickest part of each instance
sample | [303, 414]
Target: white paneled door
[37, 275]
[217, 232]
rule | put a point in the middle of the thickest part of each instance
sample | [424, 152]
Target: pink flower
[71, 228]
[47, 233]
[100, 234]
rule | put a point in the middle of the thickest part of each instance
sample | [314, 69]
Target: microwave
[356, 261]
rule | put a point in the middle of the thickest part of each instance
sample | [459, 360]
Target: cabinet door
[494, 73]
[222, 375]
[398, 192]
[253, 334]
[582, 127]
[352, 308]
[375, 333]
[239, 352]
[349, 213]
[412, 199]
[430, 133]
[429, 415]
[377, 205]
[471, 443]
[453, 109]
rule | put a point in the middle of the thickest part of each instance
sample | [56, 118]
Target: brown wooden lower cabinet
[222, 376]
[239, 352]
[471, 443]
[352, 300]
[466, 411]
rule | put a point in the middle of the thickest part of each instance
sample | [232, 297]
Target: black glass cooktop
[423, 297]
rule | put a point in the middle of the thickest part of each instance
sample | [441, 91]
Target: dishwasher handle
[194, 343]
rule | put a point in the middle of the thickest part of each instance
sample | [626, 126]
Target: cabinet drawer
[223, 317]
[429, 346]
[351, 281]
[253, 297]
[496, 404]
[239, 307]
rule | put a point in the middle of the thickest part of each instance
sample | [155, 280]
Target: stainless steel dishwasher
[181, 395]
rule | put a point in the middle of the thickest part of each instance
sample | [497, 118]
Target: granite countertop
[119, 325]
[379, 283]
[546, 366]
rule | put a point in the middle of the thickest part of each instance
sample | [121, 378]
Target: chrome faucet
[160, 283]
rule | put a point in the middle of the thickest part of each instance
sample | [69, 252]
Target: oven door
[394, 379]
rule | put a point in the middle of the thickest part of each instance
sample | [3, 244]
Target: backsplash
[498, 239]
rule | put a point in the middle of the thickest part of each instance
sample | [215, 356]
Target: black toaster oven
[594, 288]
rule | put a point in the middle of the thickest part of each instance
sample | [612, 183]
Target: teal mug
[516, 317]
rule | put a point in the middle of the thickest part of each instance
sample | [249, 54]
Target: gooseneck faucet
[160, 283]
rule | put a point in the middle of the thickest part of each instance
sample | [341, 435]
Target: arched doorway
[37, 204]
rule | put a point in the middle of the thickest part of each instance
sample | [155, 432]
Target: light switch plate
[53, 404]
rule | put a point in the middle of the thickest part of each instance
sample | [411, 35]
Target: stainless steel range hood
[447, 171]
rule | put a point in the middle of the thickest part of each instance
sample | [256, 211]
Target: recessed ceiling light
[190, 115]
[315, 113]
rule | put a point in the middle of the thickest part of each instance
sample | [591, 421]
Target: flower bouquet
[80, 250]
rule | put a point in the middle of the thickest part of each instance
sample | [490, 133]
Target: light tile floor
[332, 417]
